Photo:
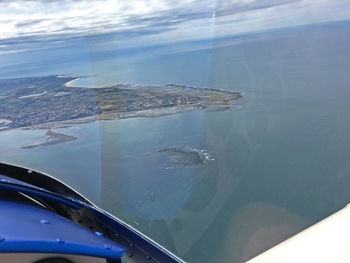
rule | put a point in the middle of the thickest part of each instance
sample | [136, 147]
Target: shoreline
[120, 101]
[69, 83]
[149, 113]
[54, 138]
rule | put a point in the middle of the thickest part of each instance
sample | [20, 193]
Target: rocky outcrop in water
[183, 156]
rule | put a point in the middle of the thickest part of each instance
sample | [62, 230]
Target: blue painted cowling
[38, 213]
[27, 228]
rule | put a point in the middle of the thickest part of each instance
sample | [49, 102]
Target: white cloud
[156, 21]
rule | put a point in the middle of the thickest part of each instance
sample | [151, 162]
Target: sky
[37, 25]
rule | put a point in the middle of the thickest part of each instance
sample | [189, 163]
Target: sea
[274, 164]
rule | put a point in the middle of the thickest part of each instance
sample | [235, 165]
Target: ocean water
[278, 162]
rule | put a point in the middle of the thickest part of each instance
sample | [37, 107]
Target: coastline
[120, 101]
[54, 138]
[149, 113]
[69, 83]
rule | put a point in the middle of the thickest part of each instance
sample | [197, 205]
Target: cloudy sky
[32, 25]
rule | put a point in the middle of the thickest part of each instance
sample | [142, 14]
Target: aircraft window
[217, 128]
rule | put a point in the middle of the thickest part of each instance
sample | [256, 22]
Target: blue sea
[279, 160]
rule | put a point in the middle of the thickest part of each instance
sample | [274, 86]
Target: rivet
[44, 221]
[2, 239]
[60, 240]
[98, 233]
[148, 257]
[131, 245]
[29, 171]
[108, 247]
[130, 254]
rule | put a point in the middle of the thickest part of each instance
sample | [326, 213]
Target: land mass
[54, 138]
[39, 101]
[183, 156]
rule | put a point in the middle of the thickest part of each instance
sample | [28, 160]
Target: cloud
[44, 24]
[29, 22]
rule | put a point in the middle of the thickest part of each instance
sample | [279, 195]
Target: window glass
[216, 128]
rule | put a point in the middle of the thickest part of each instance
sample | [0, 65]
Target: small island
[182, 156]
[45, 101]
[53, 138]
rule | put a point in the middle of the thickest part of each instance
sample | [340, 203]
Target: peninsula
[53, 138]
[39, 101]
